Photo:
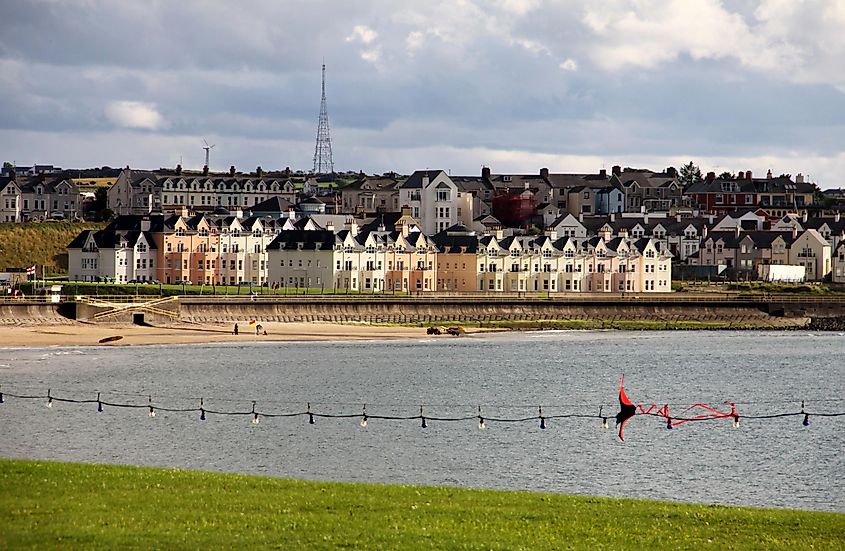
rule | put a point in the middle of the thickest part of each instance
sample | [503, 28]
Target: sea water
[776, 462]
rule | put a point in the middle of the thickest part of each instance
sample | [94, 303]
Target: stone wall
[796, 313]
[420, 311]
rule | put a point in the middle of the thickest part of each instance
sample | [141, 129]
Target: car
[184, 282]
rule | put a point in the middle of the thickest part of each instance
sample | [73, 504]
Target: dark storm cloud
[520, 77]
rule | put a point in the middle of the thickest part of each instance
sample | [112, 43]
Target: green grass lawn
[59, 505]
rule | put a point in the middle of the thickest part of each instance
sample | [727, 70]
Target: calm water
[765, 463]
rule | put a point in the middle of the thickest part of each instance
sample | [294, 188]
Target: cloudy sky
[572, 85]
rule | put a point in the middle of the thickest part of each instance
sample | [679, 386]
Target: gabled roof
[416, 179]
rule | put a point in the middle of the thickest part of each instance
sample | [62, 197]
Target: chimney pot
[769, 174]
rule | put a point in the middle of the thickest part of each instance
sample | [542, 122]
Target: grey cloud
[478, 78]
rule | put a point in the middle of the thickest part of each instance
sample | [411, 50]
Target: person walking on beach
[258, 329]
[235, 330]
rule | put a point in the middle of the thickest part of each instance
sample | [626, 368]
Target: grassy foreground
[45, 504]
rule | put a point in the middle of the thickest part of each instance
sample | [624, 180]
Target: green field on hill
[60, 505]
[43, 244]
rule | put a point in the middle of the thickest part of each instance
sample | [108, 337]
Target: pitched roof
[416, 179]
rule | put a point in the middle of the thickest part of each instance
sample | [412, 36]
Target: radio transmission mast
[323, 163]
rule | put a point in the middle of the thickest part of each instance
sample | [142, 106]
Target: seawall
[728, 311]
[411, 310]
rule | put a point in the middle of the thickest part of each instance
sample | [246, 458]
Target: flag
[252, 322]
[30, 270]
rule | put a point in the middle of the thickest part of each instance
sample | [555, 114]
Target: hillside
[44, 244]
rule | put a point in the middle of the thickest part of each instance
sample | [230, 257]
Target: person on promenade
[235, 330]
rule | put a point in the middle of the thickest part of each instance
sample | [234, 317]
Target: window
[443, 195]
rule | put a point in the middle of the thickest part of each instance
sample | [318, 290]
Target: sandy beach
[83, 334]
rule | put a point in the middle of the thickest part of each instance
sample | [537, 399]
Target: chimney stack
[769, 174]
[259, 172]
[232, 170]
[748, 175]
[485, 172]
[710, 177]
[617, 170]
[672, 172]
[178, 170]
[544, 172]
[205, 170]
[603, 173]
[799, 178]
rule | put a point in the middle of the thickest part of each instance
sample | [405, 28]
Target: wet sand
[82, 334]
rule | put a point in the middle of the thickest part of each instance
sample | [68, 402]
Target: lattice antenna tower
[323, 163]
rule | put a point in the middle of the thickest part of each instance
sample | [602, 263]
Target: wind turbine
[207, 149]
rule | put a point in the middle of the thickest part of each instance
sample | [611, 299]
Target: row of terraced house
[387, 253]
